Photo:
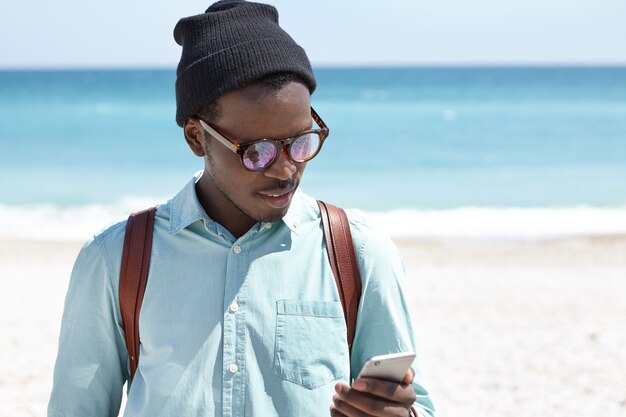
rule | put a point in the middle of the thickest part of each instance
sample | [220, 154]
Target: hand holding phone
[386, 388]
[391, 367]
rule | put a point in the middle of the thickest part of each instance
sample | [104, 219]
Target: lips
[277, 198]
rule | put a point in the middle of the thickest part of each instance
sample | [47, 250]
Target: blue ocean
[402, 140]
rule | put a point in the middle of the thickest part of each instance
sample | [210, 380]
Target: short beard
[226, 195]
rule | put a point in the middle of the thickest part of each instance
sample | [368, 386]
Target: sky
[138, 33]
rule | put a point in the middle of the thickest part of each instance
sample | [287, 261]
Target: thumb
[408, 377]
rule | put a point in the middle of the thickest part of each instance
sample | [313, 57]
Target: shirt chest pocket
[311, 344]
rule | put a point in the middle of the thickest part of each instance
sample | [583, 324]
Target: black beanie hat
[232, 44]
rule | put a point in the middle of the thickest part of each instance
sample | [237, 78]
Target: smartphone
[391, 367]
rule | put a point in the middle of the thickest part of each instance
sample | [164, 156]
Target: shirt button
[233, 368]
[234, 307]
[237, 249]
[268, 225]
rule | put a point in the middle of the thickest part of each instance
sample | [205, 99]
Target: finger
[354, 403]
[409, 376]
[336, 413]
[342, 408]
[391, 391]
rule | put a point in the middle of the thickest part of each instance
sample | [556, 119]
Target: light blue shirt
[229, 327]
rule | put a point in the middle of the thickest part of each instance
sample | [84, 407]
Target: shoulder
[370, 239]
[367, 235]
[101, 256]
[372, 243]
[110, 239]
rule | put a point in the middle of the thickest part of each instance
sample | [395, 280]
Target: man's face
[232, 195]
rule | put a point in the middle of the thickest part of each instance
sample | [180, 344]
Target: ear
[194, 135]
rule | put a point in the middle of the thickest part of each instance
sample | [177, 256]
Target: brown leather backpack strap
[133, 278]
[343, 262]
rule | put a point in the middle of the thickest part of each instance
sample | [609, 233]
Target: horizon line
[493, 65]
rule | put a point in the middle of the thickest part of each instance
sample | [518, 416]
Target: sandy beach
[504, 329]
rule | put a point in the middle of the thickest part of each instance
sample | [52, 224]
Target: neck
[221, 210]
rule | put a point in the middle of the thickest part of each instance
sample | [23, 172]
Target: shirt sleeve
[384, 322]
[91, 364]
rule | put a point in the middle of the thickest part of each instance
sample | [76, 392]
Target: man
[241, 314]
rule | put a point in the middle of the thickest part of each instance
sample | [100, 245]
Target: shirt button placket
[234, 334]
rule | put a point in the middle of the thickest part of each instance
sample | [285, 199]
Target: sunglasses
[259, 154]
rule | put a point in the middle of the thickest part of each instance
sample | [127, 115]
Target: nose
[282, 169]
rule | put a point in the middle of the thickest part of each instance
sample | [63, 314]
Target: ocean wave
[51, 222]
[511, 223]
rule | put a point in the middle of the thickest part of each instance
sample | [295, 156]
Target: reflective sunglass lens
[304, 146]
[259, 155]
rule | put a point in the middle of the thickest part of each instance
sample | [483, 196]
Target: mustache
[285, 185]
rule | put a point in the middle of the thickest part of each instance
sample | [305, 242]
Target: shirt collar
[185, 209]
[302, 209]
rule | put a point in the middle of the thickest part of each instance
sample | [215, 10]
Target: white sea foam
[503, 223]
[52, 222]
[49, 222]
